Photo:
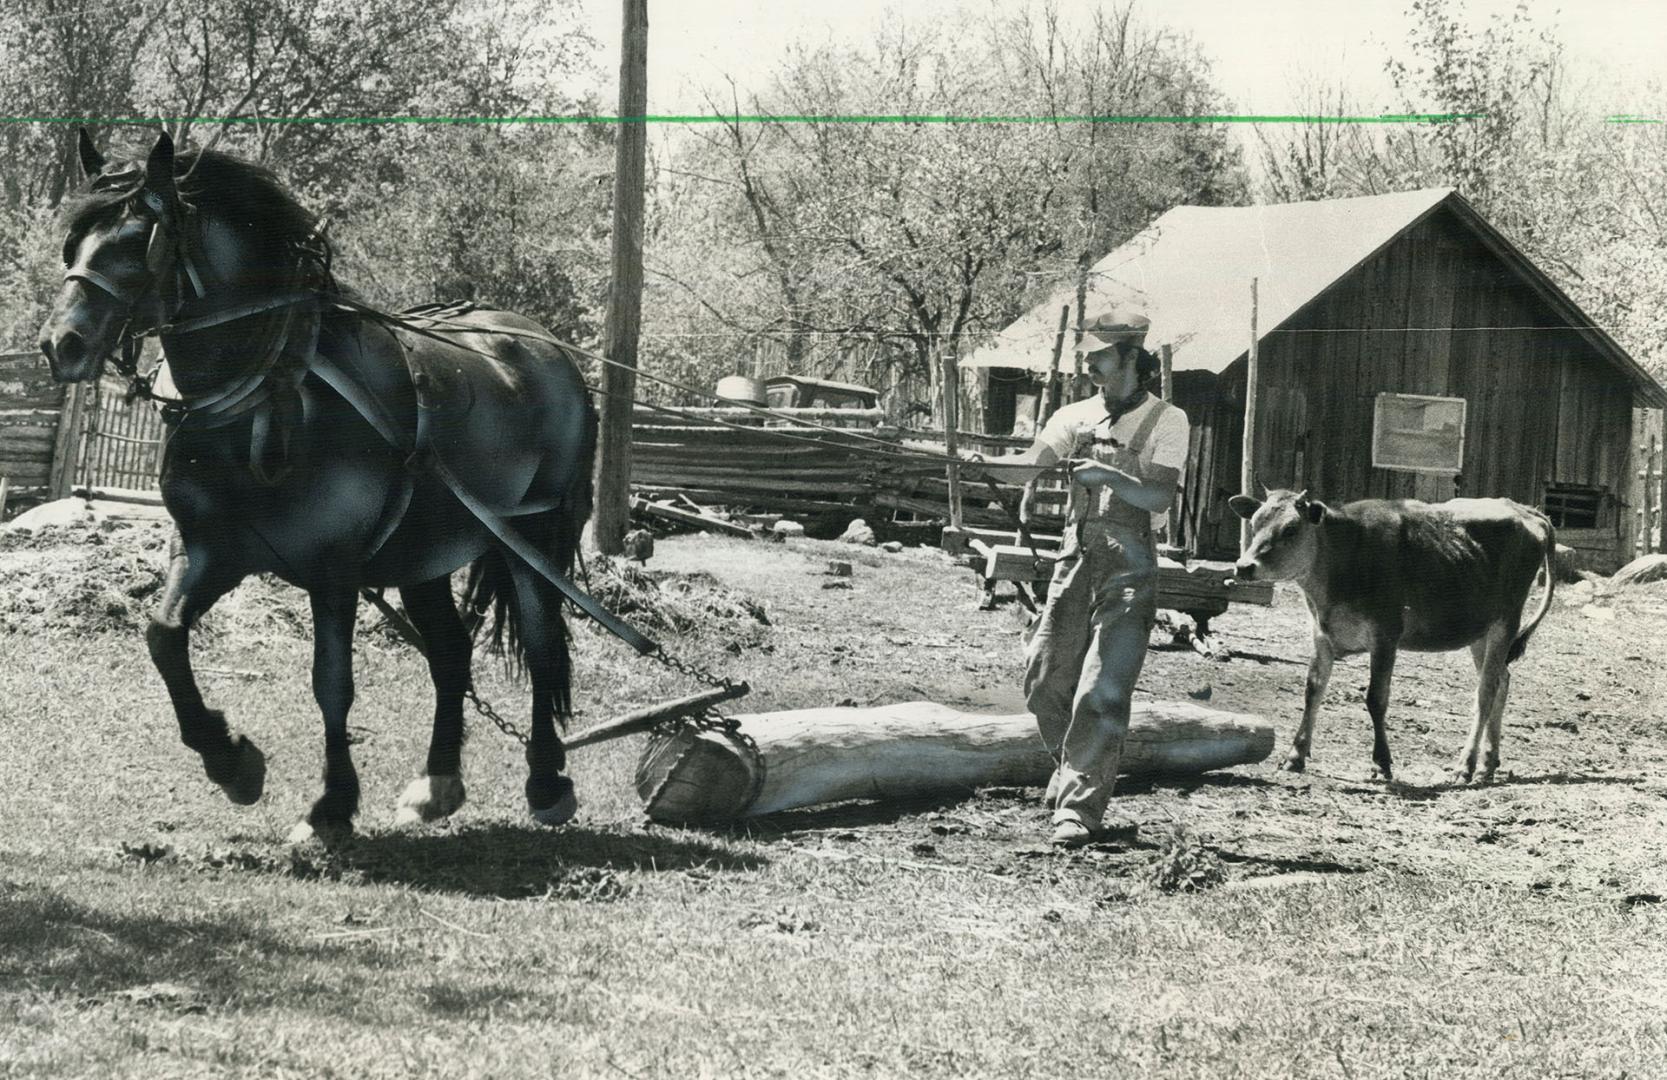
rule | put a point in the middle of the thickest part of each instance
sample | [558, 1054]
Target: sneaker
[1070, 833]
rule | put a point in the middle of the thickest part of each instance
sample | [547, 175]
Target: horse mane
[218, 185]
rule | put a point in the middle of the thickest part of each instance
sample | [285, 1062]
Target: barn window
[1573, 506]
[1417, 433]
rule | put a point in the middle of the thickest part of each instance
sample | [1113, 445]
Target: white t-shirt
[1080, 430]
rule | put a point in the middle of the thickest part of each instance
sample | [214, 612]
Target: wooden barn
[1405, 349]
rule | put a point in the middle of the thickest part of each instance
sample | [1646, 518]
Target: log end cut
[698, 776]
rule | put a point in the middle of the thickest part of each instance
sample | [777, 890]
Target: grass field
[1261, 924]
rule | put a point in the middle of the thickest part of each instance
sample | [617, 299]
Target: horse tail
[1548, 560]
[489, 602]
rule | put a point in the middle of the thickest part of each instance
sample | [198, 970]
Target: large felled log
[803, 757]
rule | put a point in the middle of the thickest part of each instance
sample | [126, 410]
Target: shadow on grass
[513, 863]
[1187, 783]
[851, 815]
[1429, 792]
[52, 944]
[1267, 658]
[1281, 864]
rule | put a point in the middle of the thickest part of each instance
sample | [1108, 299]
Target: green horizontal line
[1631, 118]
[1387, 118]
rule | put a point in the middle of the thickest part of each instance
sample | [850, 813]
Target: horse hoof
[429, 798]
[330, 835]
[1293, 763]
[245, 788]
[562, 810]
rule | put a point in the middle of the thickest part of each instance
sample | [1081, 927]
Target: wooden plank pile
[1201, 590]
[791, 469]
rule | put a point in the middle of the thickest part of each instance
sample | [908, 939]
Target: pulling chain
[711, 719]
[486, 710]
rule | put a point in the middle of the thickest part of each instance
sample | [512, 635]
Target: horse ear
[92, 162]
[1314, 511]
[1244, 505]
[159, 168]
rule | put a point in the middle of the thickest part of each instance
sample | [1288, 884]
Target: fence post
[1661, 503]
[66, 448]
[1247, 466]
[1647, 519]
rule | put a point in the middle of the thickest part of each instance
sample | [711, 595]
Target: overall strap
[1148, 424]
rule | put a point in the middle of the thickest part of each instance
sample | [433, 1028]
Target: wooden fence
[30, 405]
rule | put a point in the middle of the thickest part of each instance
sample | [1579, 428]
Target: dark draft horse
[305, 441]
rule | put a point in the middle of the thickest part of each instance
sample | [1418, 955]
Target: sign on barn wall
[1418, 433]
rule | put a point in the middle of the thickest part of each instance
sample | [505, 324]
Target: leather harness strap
[365, 403]
[251, 390]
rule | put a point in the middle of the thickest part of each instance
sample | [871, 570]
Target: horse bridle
[163, 246]
[169, 244]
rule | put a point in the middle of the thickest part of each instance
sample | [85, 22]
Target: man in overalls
[1127, 449]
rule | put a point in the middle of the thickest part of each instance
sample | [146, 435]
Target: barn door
[121, 441]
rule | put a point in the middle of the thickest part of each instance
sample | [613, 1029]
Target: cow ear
[92, 162]
[1245, 505]
[1314, 511]
[159, 168]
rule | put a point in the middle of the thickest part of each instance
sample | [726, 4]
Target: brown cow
[1383, 575]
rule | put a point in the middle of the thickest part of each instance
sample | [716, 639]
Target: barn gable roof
[1190, 271]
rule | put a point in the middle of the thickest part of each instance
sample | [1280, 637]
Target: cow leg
[1497, 673]
[1493, 679]
[1319, 676]
[1377, 704]
[1496, 721]
[439, 791]
[1465, 767]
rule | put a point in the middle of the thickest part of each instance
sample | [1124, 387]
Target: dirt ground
[1579, 807]
[1255, 923]
[1580, 803]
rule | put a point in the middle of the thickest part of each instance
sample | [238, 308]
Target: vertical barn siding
[1543, 405]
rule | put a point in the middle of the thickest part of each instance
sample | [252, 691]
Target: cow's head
[1282, 534]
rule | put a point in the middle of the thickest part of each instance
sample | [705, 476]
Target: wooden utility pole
[624, 320]
[1084, 261]
[1049, 401]
[1172, 528]
[951, 439]
[1247, 467]
[1661, 504]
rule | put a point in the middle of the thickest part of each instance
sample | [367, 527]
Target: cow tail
[1549, 561]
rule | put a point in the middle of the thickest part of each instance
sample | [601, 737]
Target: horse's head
[122, 245]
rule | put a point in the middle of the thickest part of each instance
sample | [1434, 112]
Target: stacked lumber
[792, 469]
[690, 514]
[1201, 589]
[921, 488]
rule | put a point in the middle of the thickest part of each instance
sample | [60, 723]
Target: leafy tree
[504, 214]
[914, 237]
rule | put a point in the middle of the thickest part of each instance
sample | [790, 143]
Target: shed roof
[1190, 271]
